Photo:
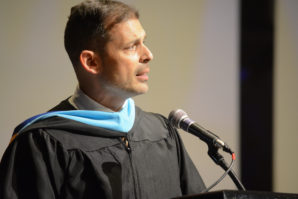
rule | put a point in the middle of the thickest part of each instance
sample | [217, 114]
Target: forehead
[125, 31]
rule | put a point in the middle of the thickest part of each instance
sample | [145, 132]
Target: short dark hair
[89, 24]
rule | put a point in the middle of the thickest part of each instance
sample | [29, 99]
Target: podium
[233, 194]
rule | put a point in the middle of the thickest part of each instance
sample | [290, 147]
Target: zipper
[125, 142]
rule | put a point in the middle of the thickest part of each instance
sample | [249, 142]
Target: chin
[140, 91]
[144, 89]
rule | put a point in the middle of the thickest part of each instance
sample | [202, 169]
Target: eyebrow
[136, 40]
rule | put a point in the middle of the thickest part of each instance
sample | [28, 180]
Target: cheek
[130, 58]
[134, 57]
[129, 63]
[122, 66]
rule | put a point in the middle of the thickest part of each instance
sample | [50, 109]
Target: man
[97, 143]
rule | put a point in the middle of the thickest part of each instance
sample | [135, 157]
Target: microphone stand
[219, 160]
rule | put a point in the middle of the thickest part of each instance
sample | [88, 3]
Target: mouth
[142, 75]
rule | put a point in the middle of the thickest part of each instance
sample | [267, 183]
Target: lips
[142, 75]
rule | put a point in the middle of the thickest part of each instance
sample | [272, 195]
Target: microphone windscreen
[176, 116]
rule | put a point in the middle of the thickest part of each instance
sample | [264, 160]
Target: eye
[132, 47]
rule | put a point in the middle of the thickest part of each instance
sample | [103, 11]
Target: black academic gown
[61, 158]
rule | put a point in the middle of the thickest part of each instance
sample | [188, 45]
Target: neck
[107, 99]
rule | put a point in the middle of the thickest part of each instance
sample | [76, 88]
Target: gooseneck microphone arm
[180, 119]
[219, 160]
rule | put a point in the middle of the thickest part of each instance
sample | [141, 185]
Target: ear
[90, 61]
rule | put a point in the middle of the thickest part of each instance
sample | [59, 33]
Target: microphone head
[176, 116]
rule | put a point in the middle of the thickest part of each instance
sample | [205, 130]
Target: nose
[146, 56]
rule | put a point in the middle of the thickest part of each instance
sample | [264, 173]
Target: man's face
[125, 61]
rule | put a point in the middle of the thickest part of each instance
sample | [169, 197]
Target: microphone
[179, 119]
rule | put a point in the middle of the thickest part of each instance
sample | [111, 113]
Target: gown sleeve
[33, 166]
[190, 179]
